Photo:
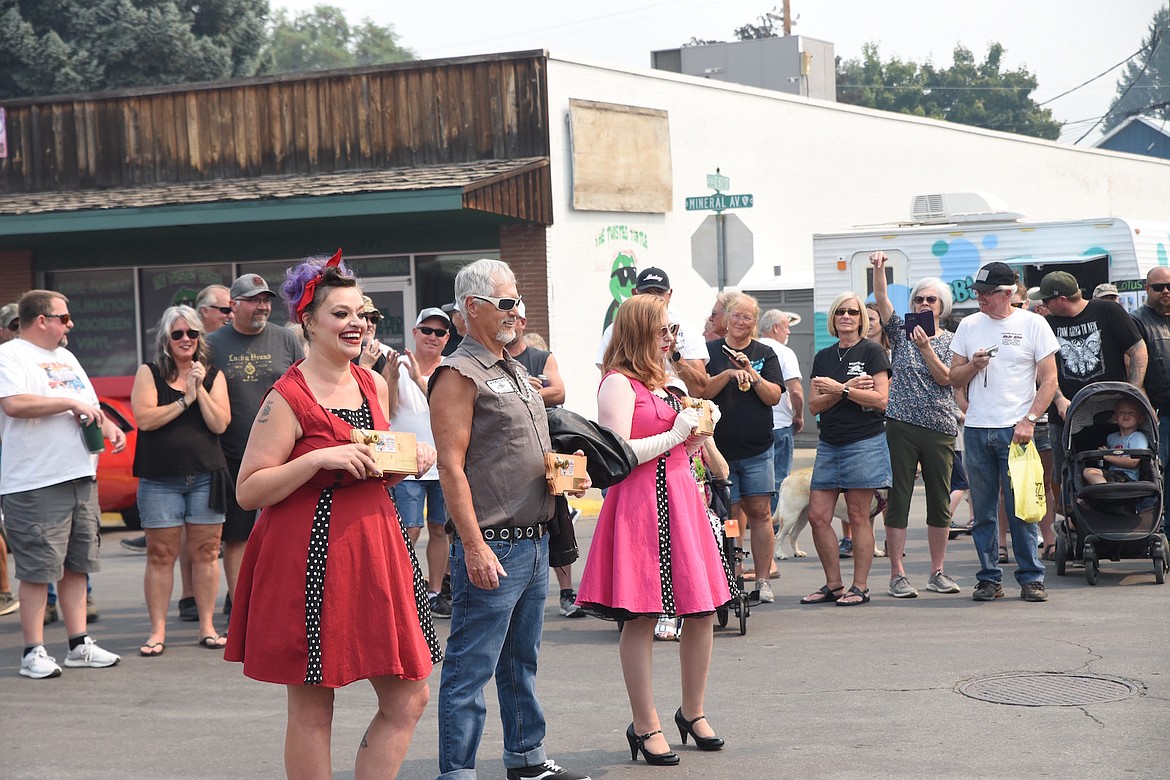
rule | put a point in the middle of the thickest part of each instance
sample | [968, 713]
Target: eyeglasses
[503, 304]
[372, 316]
[931, 299]
[428, 331]
[668, 330]
[14, 325]
[1017, 304]
[63, 317]
[1159, 286]
[177, 335]
[221, 309]
[741, 317]
[849, 312]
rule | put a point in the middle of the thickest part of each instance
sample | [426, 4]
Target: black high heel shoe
[686, 727]
[638, 742]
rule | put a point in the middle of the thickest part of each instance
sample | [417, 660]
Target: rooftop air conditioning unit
[942, 208]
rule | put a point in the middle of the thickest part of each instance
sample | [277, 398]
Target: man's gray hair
[480, 278]
[207, 295]
[770, 318]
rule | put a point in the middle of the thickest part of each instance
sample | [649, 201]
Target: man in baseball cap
[994, 276]
[1058, 284]
[1106, 292]
[9, 322]
[652, 280]
[249, 286]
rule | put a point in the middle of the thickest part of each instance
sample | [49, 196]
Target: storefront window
[166, 286]
[105, 336]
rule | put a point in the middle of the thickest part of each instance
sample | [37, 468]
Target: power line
[1145, 65]
[1090, 81]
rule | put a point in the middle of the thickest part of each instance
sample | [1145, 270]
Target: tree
[750, 32]
[1144, 87]
[60, 46]
[978, 94]
[322, 38]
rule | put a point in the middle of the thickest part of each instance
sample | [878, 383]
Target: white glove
[650, 447]
[716, 415]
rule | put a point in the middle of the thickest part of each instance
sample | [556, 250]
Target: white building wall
[814, 167]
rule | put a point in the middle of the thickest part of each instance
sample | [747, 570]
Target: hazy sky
[1063, 42]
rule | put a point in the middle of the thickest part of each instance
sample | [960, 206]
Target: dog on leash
[792, 512]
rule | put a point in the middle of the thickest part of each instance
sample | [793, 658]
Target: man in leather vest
[491, 432]
[1153, 322]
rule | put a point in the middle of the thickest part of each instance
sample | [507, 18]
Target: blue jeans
[782, 446]
[494, 631]
[985, 451]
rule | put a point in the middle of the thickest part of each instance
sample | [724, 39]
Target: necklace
[841, 354]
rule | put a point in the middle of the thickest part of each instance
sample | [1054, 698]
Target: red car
[117, 485]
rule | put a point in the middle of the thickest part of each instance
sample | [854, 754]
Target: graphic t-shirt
[846, 421]
[42, 451]
[1092, 346]
[250, 364]
[746, 427]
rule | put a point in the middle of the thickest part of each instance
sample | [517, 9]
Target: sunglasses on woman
[668, 330]
[850, 312]
[177, 335]
[428, 331]
[931, 299]
[503, 304]
[1017, 304]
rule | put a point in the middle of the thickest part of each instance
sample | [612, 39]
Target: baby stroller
[734, 554]
[1114, 520]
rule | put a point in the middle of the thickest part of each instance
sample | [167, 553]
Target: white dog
[792, 512]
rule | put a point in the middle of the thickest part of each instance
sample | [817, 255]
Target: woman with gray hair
[921, 424]
[181, 406]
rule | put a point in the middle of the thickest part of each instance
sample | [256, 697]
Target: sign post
[719, 203]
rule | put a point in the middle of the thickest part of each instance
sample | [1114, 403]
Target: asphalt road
[808, 692]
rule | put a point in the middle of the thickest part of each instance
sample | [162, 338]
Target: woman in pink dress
[329, 590]
[654, 551]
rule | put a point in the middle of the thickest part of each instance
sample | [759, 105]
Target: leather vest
[1155, 330]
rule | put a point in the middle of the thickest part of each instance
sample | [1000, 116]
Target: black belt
[514, 532]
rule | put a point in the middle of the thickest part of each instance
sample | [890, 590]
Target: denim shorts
[172, 501]
[854, 466]
[753, 476]
[409, 497]
[1042, 437]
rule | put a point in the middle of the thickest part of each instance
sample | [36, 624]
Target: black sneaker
[569, 606]
[137, 544]
[548, 769]
[227, 605]
[1034, 591]
[440, 607]
[987, 590]
[188, 612]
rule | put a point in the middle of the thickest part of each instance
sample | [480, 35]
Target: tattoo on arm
[265, 411]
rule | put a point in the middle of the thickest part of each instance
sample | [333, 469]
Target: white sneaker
[38, 664]
[89, 654]
[765, 590]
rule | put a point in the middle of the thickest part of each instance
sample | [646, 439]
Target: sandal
[1003, 557]
[152, 649]
[213, 642]
[666, 630]
[823, 596]
[854, 597]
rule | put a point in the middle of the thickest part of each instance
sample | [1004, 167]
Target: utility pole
[787, 18]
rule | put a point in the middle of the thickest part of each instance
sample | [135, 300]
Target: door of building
[394, 297]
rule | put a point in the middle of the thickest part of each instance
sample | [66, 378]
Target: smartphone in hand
[731, 355]
[922, 319]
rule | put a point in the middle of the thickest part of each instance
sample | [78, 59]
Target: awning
[1040, 260]
[519, 189]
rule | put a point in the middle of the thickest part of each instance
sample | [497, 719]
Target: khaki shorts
[54, 528]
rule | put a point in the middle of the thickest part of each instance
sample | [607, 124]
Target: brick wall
[525, 249]
[16, 274]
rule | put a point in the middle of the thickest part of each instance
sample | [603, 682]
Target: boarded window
[621, 158]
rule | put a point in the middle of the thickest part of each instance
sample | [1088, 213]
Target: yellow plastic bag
[1027, 474]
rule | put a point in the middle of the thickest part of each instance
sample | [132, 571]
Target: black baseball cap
[652, 279]
[993, 276]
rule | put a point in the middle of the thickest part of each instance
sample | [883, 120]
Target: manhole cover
[1043, 689]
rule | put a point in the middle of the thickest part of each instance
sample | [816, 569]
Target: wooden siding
[391, 116]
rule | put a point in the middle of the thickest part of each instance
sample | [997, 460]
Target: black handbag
[610, 459]
[562, 537]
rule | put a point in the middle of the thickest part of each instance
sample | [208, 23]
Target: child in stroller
[1121, 468]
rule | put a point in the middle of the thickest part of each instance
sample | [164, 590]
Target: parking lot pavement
[809, 691]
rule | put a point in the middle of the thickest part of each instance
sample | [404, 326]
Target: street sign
[719, 202]
[718, 183]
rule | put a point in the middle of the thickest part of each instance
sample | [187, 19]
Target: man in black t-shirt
[1099, 342]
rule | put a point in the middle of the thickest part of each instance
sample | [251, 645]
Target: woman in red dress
[329, 589]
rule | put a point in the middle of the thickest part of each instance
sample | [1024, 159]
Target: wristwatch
[675, 356]
[844, 392]
[1032, 418]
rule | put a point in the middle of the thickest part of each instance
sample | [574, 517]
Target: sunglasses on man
[503, 304]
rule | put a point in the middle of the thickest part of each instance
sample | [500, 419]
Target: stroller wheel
[1160, 569]
[1092, 569]
[1061, 555]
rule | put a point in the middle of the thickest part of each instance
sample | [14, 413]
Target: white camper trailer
[952, 235]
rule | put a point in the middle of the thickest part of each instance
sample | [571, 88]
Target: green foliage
[1144, 87]
[322, 38]
[978, 94]
[750, 32]
[61, 46]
